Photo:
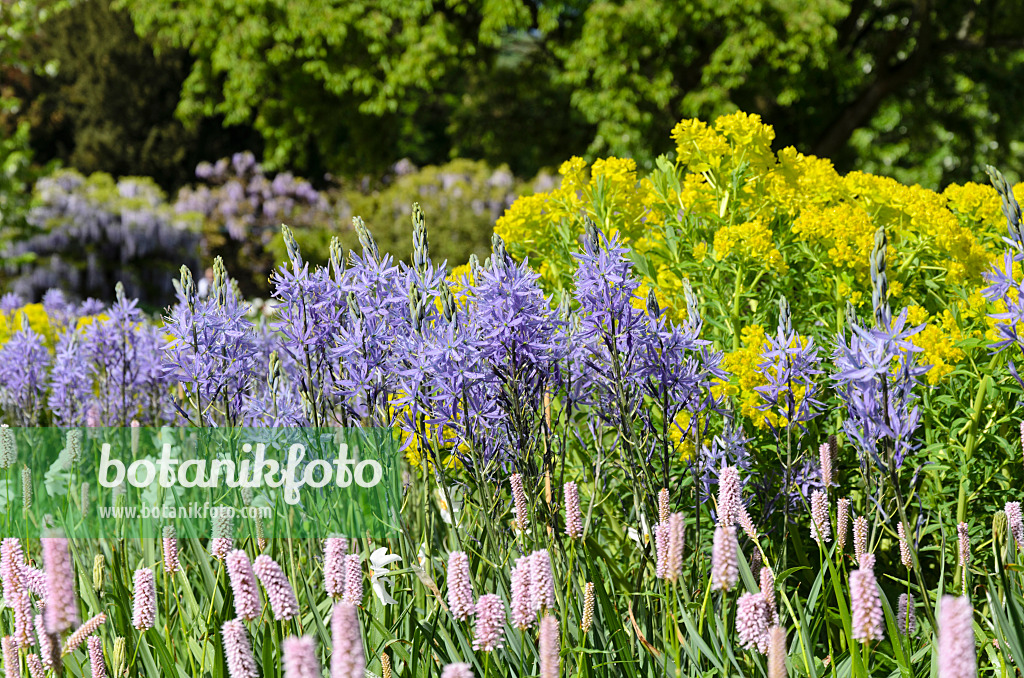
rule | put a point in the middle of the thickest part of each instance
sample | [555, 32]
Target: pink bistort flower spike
[12, 666]
[460, 586]
[490, 623]
[279, 590]
[825, 459]
[1015, 521]
[676, 537]
[23, 620]
[957, 657]
[866, 606]
[519, 501]
[964, 543]
[35, 666]
[661, 546]
[821, 524]
[48, 651]
[12, 562]
[753, 621]
[353, 579]
[61, 611]
[347, 657]
[144, 600]
[170, 544]
[299, 657]
[523, 616]
[96, 664]
[244, 589]
[550, 647]
[335, 549]
[573, 514]
[76, 639]
[542, 581]
[767, 578]
[842, 522]
[905, 557]
[860, 537]
[725, 571]
[729, 499]
[663, 505]
[906, 618]
[238, 650]
[777, 652]
[456, 670]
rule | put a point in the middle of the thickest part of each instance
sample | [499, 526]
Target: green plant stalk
[969, 446]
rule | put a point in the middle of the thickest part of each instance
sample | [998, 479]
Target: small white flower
[635, 534]
[379, 581]
[442, 505]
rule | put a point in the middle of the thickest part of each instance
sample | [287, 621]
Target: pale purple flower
[61, 604]
[821, 523]
[279, 590]
[957, 655]
[96, 664]
[490, 623]
[725, 569]
[1015, 521]
[244, 588]
[866, 606]
[456, 670]
[523, 616]
[143, 601]
[789, 367]
[335, 549]
[906, 618]
[550, 648]
[238, 650]
[753, 619]
[347, 658]
[353, 579]
[573, 515]
[76, 639]
[460, 586]
[299, 657]
[542, 581]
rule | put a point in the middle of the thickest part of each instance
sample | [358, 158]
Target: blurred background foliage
[467, 103]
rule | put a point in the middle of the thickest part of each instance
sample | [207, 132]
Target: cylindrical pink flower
[490, 623]
[661, 540]
[676, 537]
[588, 607]
[456, 670]
[542, 581]
[767, 578]
[170, 544]
[549, 648]
[867, 561]
[23, 619]
[76, 639]
[519, 501]
[347, 658]
[335, 549]
[905, 556]
[353, 579]
[523, 616]
[299, 657]
[725, 570]
[842, 522]
[279, 589]
[663, 505]
[745, 521]
[777, 652]
[223, 528]
[244, 589]
[825, 458]
[96, 664]
[866, 606]
[460, 586]
[238, 650]
[860, 537]
[34, 580]
[753, 619]
[821, 524]
[144, 601]
[1015, 521]
[729, 496]
[10, 653]
[35, 666]
[48, 650]
[61, 604]
[964, 543]
[12, 561]
[957, 657]
[573, 514]
[906, 617]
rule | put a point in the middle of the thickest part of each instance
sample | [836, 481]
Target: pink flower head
[96, 665]
[170, 544]
[490, 623]
[223, 527]
[1015, 521]
[825, 459]
[523, 616]
[860, 537]
[867, 561]
[661, 539]
[573, 514]
[48, 651]
[866, 606]
[725, 571]
[905, 556]
[676, 535]
[729, 499]
[767, 578]
[335, 549]
[753, 620]
[347, 658]
[964, 542]
[842, 522]
[299, 657]
[821, 524]
[12, 562]
[35, 666]
[519, 501]
[61, 604]
[906, 618]
[777, 652]
[663, 505]
[542, 581]
[957, 657]
[34, 580]
[10, 654]
[745, 521]
[353, 579]
[144, 601]
[238, 651]
[279, 590]
[549, 647]
[457, 670]
[22, 609]
[244, 588]
[76, 639]
[460, 587]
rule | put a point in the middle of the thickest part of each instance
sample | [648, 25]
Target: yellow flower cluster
[753, 242]
[744, 377]
[845, 230]
[38, 320]
[938, 340]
